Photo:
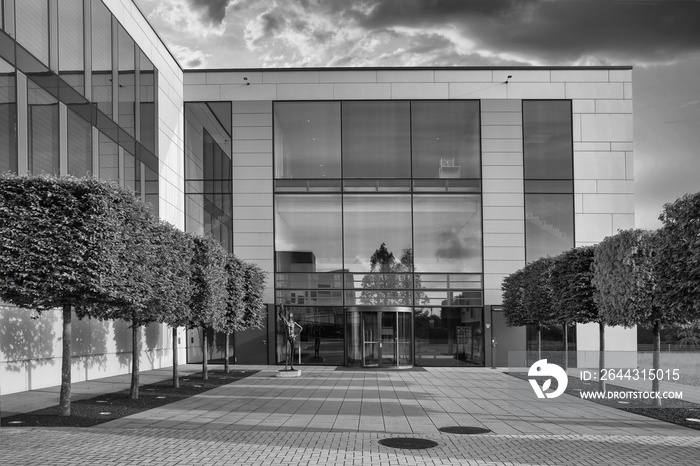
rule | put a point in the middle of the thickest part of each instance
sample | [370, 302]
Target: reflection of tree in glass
[387, 280]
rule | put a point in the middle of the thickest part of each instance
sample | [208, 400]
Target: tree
[254, 310]
[572, 277]
[625, 281]
[678, 260]
[175, 289]
[527, 297]
[58, 246]
[235, 302]
[136, 278]
[208, 299]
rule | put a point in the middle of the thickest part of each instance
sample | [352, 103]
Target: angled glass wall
[62, 99]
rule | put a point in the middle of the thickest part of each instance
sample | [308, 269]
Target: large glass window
[208, 172]
[308, 233]
[79, 145]
[70, 42]
[109, 158]
[548, 167]
[376, 139]
[447, 233]
[321, 339]
[43, 130]
[147, 103]
[445, 139]
[449, 336]
[32, 18]
[127, 82]
[102, 57]
[307, 139]
[8, 118]
[549, 224]
[547, 137]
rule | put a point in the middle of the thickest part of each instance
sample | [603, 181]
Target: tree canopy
[572, 285]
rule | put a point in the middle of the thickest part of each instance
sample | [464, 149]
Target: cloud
[189, 58]
[198, 18]
[557, 31]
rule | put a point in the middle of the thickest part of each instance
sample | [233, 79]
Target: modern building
[385, 204]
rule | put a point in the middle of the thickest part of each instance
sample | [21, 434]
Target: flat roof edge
[411, 68]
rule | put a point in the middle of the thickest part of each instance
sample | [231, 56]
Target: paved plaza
[337, 417]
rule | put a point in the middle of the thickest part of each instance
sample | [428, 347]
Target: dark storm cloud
[213, 11]
[557, 30]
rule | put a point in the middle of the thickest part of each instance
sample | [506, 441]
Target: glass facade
[65, 117]
[208, 171]
[548, 168]
[367, 217]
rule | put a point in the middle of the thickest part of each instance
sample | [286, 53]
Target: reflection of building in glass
[308, 172]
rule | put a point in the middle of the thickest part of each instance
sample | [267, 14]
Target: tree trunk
[656, 361]
[539, 342]
[176, 372]
[205, 355]
[135, 360]
[226, 355]
[66, 362]
[566, 346]
[601, 356]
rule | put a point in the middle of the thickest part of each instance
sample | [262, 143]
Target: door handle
[264, 342]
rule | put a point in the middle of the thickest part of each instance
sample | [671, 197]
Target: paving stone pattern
[329, 417]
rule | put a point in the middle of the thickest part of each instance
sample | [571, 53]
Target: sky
[659, 38]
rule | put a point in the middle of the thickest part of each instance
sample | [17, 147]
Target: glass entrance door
[379, 337]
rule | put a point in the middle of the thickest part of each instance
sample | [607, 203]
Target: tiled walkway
[338, 417]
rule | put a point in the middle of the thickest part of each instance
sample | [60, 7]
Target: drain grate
[465, 430]
[406, 443]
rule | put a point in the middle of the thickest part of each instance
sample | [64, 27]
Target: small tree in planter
[235, 303]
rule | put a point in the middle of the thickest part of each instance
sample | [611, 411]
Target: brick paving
[330, 417]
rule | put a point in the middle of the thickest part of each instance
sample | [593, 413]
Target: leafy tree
[136, 278]
[235, 303]
[678, 260]
[572, 277]
[254, 310]
[208, 299]
[625, 280]
[58, 246]
[175, 287]
[527, 297]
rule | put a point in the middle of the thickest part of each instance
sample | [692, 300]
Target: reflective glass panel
[152, 197]
[109, 158]
[307, 139]
[147, 95]
[376, 139]
[321, 339]
[102, 57]
[445, 139]
[43, 130]
[308, 233]
[8, 118]
[379, 226]
[70, 42]
[127, 82]
[449, 336]
[549, 224]
[447, 233]
[32, 18]
[547, 137]
[129, 172]
[79, 145]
